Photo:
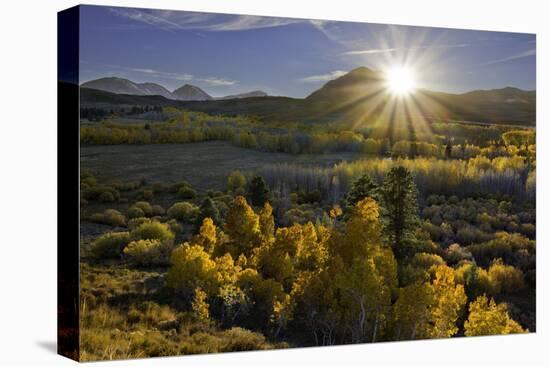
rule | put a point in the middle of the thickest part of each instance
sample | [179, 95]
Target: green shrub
[505, 278]
[105, 194]
[238, 340]
[456, 254]
[109, 216]
[110, 245]
[147, 194]
[186, 193]
[425, 261]
[88, 180]
[174, 226]
[148, 252]
[158, 210]
[114, 217]
[135, 212]
[200, 343]
[136, 222]
[235, 181]
[107, 197]
[153, 231]
[183, 211]
[150, 314]
[175, 187]
[145, 206]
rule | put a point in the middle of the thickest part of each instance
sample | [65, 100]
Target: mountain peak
[361, 70]
[254, 93]
[361, 79]
[189, 92]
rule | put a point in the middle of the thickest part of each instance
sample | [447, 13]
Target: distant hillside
[358, 96]
[186, 92]
[125, 86]
[506, 105]
[254, 93]
[264, 107]
[190, 92]
[361, 92]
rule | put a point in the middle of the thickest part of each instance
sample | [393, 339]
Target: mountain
[361, 81]
[152, 89]
[358, 97]
[505, 105]
[264, 107]
[125, 86]
[190, 92]
[361, 94]
[254, 93]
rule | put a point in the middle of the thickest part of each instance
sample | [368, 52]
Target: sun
[400, 80]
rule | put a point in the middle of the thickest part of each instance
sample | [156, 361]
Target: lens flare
[400, 80]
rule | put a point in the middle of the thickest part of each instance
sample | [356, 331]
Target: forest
[429, 233]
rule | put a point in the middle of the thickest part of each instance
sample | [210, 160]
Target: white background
[28, 181]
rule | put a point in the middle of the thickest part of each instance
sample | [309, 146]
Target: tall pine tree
[397, 197]
[360, 189]
[257, 191]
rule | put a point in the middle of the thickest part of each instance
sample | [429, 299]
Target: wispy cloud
[322, 77]
[159, 74]
[217, 81]
[372, 51]
[163, 74]
[520, 55]
[396, 49]
[180, 20]
[212, 81]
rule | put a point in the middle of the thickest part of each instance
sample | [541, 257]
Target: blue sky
[226, 54]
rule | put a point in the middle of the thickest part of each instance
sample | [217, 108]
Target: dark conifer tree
[208, 209]
[399, 209]
[361, 188]
[257, 191]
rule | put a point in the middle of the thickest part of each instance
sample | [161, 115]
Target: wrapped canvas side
[68, 332]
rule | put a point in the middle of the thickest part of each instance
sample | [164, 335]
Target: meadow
[173, 162]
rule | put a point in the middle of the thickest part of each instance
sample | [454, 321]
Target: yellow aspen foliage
[200, 305]
[289, 239]
[505, 278]
[362, 235]
[450, 298]
[228, 272]
[267, 223]
[412, 311]
[364, 272]
[282, 313]
[488, 318]
[365, 300]
[335, 212]
[207, 237]
[313, 253]
[192, 267]
[242, 226]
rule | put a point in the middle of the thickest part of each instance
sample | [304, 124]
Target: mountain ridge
[359, 96]
[186, 92]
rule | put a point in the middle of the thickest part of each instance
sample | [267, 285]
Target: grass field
[205, 165]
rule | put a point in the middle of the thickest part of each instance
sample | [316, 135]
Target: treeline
[293, 143]
[370, 274]
[512, 176]
[445, 141]
[99, 114]
[94, 114]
